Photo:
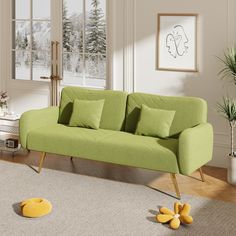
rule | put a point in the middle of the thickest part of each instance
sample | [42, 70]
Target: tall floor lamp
[54, 77]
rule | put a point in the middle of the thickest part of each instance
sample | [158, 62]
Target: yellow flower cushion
[35, 207]
[180, 215]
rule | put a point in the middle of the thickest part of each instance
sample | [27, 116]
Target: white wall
[132, 39]
[217, 31]
[1, 43]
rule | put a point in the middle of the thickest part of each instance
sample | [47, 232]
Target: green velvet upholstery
[188, 148]
[154, 122]
[106, 145]
[113, 115]
[86, 114]
[195, 148]
[34, 119]
[188, 111]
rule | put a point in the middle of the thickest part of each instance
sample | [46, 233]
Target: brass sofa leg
[174, 181]
[43, 155]
[201, 174]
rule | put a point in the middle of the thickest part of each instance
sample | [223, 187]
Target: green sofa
[187, 149]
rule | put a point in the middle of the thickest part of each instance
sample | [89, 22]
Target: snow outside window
[83, 40]
[31, 39]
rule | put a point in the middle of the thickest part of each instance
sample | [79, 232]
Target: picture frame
[177, 42]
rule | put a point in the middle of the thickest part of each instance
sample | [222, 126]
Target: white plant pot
[231, 173]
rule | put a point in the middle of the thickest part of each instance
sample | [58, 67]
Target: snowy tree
[18, 40]
[24, 43]
[34, 47]
[34, 43]
[67, 29]
[96, 30]
[80, 46]
[21, 40]
[77, 21]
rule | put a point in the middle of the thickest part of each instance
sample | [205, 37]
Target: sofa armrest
[35, 119]
[195, 148]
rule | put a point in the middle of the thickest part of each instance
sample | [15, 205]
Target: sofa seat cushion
[106, 145]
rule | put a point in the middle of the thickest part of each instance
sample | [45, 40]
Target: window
[31, 39]
[83, 40]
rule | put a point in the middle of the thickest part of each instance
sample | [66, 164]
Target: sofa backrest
[113, 115]
[189, 111]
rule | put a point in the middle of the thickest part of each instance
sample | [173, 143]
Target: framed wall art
[177, 42]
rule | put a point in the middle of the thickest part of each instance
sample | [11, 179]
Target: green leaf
[228, 109]
[229, 63]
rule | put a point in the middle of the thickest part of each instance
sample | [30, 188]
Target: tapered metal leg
[43, 155]
[173, 178]
[201, 174]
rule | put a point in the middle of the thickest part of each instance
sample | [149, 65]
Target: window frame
[56, 34]
[30, 50]
[84, 53]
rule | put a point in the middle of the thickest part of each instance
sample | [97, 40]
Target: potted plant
[3, 103]
[228, 109]
[229, 62]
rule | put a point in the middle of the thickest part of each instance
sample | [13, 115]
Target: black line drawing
[177, 42]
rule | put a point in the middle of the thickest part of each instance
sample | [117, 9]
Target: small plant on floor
[228, 110]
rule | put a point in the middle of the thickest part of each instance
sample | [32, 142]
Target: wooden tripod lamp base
[55, 78]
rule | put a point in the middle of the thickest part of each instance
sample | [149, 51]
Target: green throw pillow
[86, 113]
[154, 122]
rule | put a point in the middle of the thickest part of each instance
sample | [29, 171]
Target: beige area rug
[85, 205]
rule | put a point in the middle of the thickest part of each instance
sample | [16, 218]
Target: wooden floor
[215, 186]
